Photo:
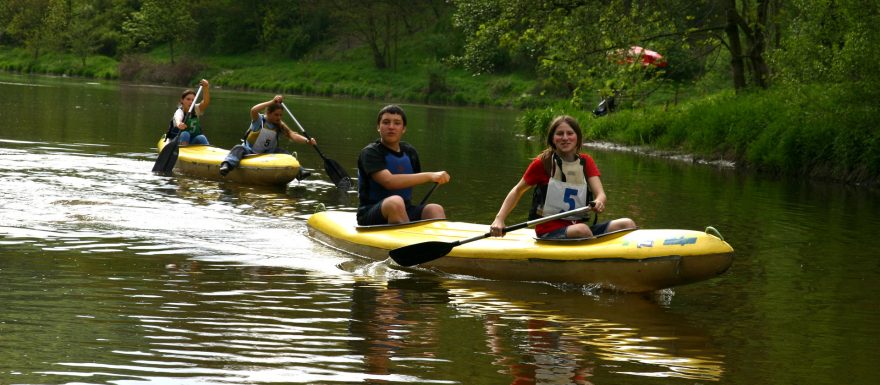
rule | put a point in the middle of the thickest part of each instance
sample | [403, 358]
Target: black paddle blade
[337, 174]
[420, 252]
[167, 158]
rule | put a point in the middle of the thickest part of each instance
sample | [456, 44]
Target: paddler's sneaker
[303, 174]
[224, 168]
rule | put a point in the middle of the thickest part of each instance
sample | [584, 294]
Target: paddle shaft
[428, 251]
[334, 170]
[196, 98]
[303, 130]
[425, 199]
[532, 222]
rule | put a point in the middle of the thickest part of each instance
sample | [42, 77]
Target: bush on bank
[824, 130]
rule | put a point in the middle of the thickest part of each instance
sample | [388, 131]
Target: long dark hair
[274, 107]
[547, 155]
[188, 91]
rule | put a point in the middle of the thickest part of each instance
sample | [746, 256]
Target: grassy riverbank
[54, 63]
[822, 130]
[825, 131]
[420, 82]
[419, 78]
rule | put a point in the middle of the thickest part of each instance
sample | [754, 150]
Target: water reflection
[530, 333]
[568, 336]
[397, 326]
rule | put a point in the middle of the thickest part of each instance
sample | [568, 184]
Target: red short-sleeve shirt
[535, 175]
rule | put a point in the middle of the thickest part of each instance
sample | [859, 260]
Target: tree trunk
[737, 66]
[378, 56]
[759, 46]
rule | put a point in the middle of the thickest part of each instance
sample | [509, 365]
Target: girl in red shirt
[564, 180]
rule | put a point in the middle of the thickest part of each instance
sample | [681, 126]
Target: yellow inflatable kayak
[631, 260]
[262, 169]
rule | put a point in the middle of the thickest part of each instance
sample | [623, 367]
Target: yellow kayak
[262, 169]
[631, 260]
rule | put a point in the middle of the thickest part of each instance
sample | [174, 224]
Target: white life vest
[266, 139]
[567, 189]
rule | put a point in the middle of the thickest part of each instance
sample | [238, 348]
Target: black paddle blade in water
[337, 174]
[167, 158]
[420, 252]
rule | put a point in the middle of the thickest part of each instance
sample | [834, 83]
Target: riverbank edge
[665, 154]
[429, 82]
[739, 129]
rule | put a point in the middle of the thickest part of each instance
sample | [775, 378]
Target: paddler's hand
[302, 139]
[598, 206]
[440, 177]
[181, 126]
[497, 228]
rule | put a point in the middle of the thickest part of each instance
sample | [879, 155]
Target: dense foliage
[804, 78]
[732, 67]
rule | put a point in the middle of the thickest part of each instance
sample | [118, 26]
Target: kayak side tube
[634, 261]
[263, 169]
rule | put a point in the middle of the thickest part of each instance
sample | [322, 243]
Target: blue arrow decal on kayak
[680, 241]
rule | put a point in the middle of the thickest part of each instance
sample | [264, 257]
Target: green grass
[823, 130]
[426, 81]
[20, 60]
[418, 76]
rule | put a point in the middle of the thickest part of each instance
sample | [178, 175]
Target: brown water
[112, 275]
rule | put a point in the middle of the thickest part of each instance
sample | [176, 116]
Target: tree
[228, 26]
[159, 21]
[290, 28]
[751, 22]
[83, 32]
[576, 47]
[572, 41]
[379, 24]
[373, 22]
[830, 42]
[33, 23]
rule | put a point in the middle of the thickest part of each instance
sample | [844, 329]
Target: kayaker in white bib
[262, 136]
[564, 179]
[189, 126]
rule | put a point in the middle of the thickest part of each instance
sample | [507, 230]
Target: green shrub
[821, 130]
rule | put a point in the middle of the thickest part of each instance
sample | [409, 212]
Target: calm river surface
[112, 275]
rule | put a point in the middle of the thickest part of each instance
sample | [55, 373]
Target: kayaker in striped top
[564, 179]
[387, 171]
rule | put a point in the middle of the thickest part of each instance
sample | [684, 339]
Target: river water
[112, 275]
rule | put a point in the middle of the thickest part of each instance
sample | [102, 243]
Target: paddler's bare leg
[394, 209]
[433, 211]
